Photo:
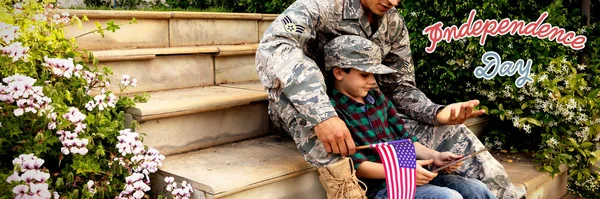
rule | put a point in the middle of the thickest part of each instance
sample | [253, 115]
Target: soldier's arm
[283, 67]
[401, 87]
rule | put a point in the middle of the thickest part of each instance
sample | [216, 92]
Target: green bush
[558, 113]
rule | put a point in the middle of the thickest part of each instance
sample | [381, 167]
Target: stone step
[272, 167]
[266, 167]
[182, 120]
[539, 185]
[157, 29]
[156, 68]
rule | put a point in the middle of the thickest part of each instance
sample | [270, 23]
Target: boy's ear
[338, 73]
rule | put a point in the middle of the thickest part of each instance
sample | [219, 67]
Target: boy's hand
[444, 158]
[453, 168]
[423, 175]
[335, 136]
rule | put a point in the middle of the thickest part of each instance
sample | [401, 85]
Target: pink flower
[20, 189]
[16, 51]
[40, 190]
[101, 101]
[65, 150]
[13, 178]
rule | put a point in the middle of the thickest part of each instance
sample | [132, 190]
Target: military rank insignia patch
[289, 25]
[406, 65]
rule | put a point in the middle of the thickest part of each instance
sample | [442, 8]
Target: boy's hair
[330, 78]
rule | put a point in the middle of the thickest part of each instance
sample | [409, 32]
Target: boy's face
[356, 83]
[379, 7]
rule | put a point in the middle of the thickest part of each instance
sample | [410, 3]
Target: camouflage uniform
[290, 62]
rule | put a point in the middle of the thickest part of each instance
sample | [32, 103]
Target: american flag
[399, 162]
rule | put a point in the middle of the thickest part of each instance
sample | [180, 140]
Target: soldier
[290, 61]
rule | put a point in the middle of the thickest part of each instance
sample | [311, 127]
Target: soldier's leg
[336, 174]
[283, 117]
[460, 140]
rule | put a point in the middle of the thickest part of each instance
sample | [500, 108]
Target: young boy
[371, 118]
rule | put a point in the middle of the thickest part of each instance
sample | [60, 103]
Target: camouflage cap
[350, 51]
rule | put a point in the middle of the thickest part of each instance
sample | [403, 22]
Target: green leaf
[59, 183]
[111, 26]
[524, 105]
[518, 111]
[548, 168]
[534, 121]
[573, 142]
[594, 93]
[586, 144]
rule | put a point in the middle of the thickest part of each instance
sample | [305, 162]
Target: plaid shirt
[374, 122]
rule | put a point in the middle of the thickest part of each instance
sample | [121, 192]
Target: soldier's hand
[458, 113]
[423, 175]
[335, 136]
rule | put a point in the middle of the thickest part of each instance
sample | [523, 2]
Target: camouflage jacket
[290, 59]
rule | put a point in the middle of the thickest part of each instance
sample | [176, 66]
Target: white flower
[101, 101]
[65, 150]
[16, 51]
[52, 124]
[128, 81]
[40, 190]
[90, 105]
[581, 66]
[515, 121]
[74, 116]
[543, 77]
[13, 178]
[90, 185]
[552, 142]
[40, 17]
[60, 67]
[20, 190]
[18, 8]
[112, 100]
[521, 98]
[8, 32]
[414, 14]
[527, 128]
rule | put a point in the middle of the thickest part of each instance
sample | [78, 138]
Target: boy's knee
[449, 194]
[435, 192]
[480, 190]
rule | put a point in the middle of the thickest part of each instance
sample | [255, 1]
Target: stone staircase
[208, 112]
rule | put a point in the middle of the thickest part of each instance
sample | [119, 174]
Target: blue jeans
[447, 187]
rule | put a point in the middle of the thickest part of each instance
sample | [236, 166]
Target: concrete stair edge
[186, 101]
[151, 53]
[123, 14]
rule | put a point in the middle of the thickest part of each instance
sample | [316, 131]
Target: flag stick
[363, 147]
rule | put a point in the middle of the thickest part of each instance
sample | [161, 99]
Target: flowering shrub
[557, 114]
[61, 126]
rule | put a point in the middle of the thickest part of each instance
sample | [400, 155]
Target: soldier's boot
[340, 182]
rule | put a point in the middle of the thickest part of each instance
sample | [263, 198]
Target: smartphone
[459, 160]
